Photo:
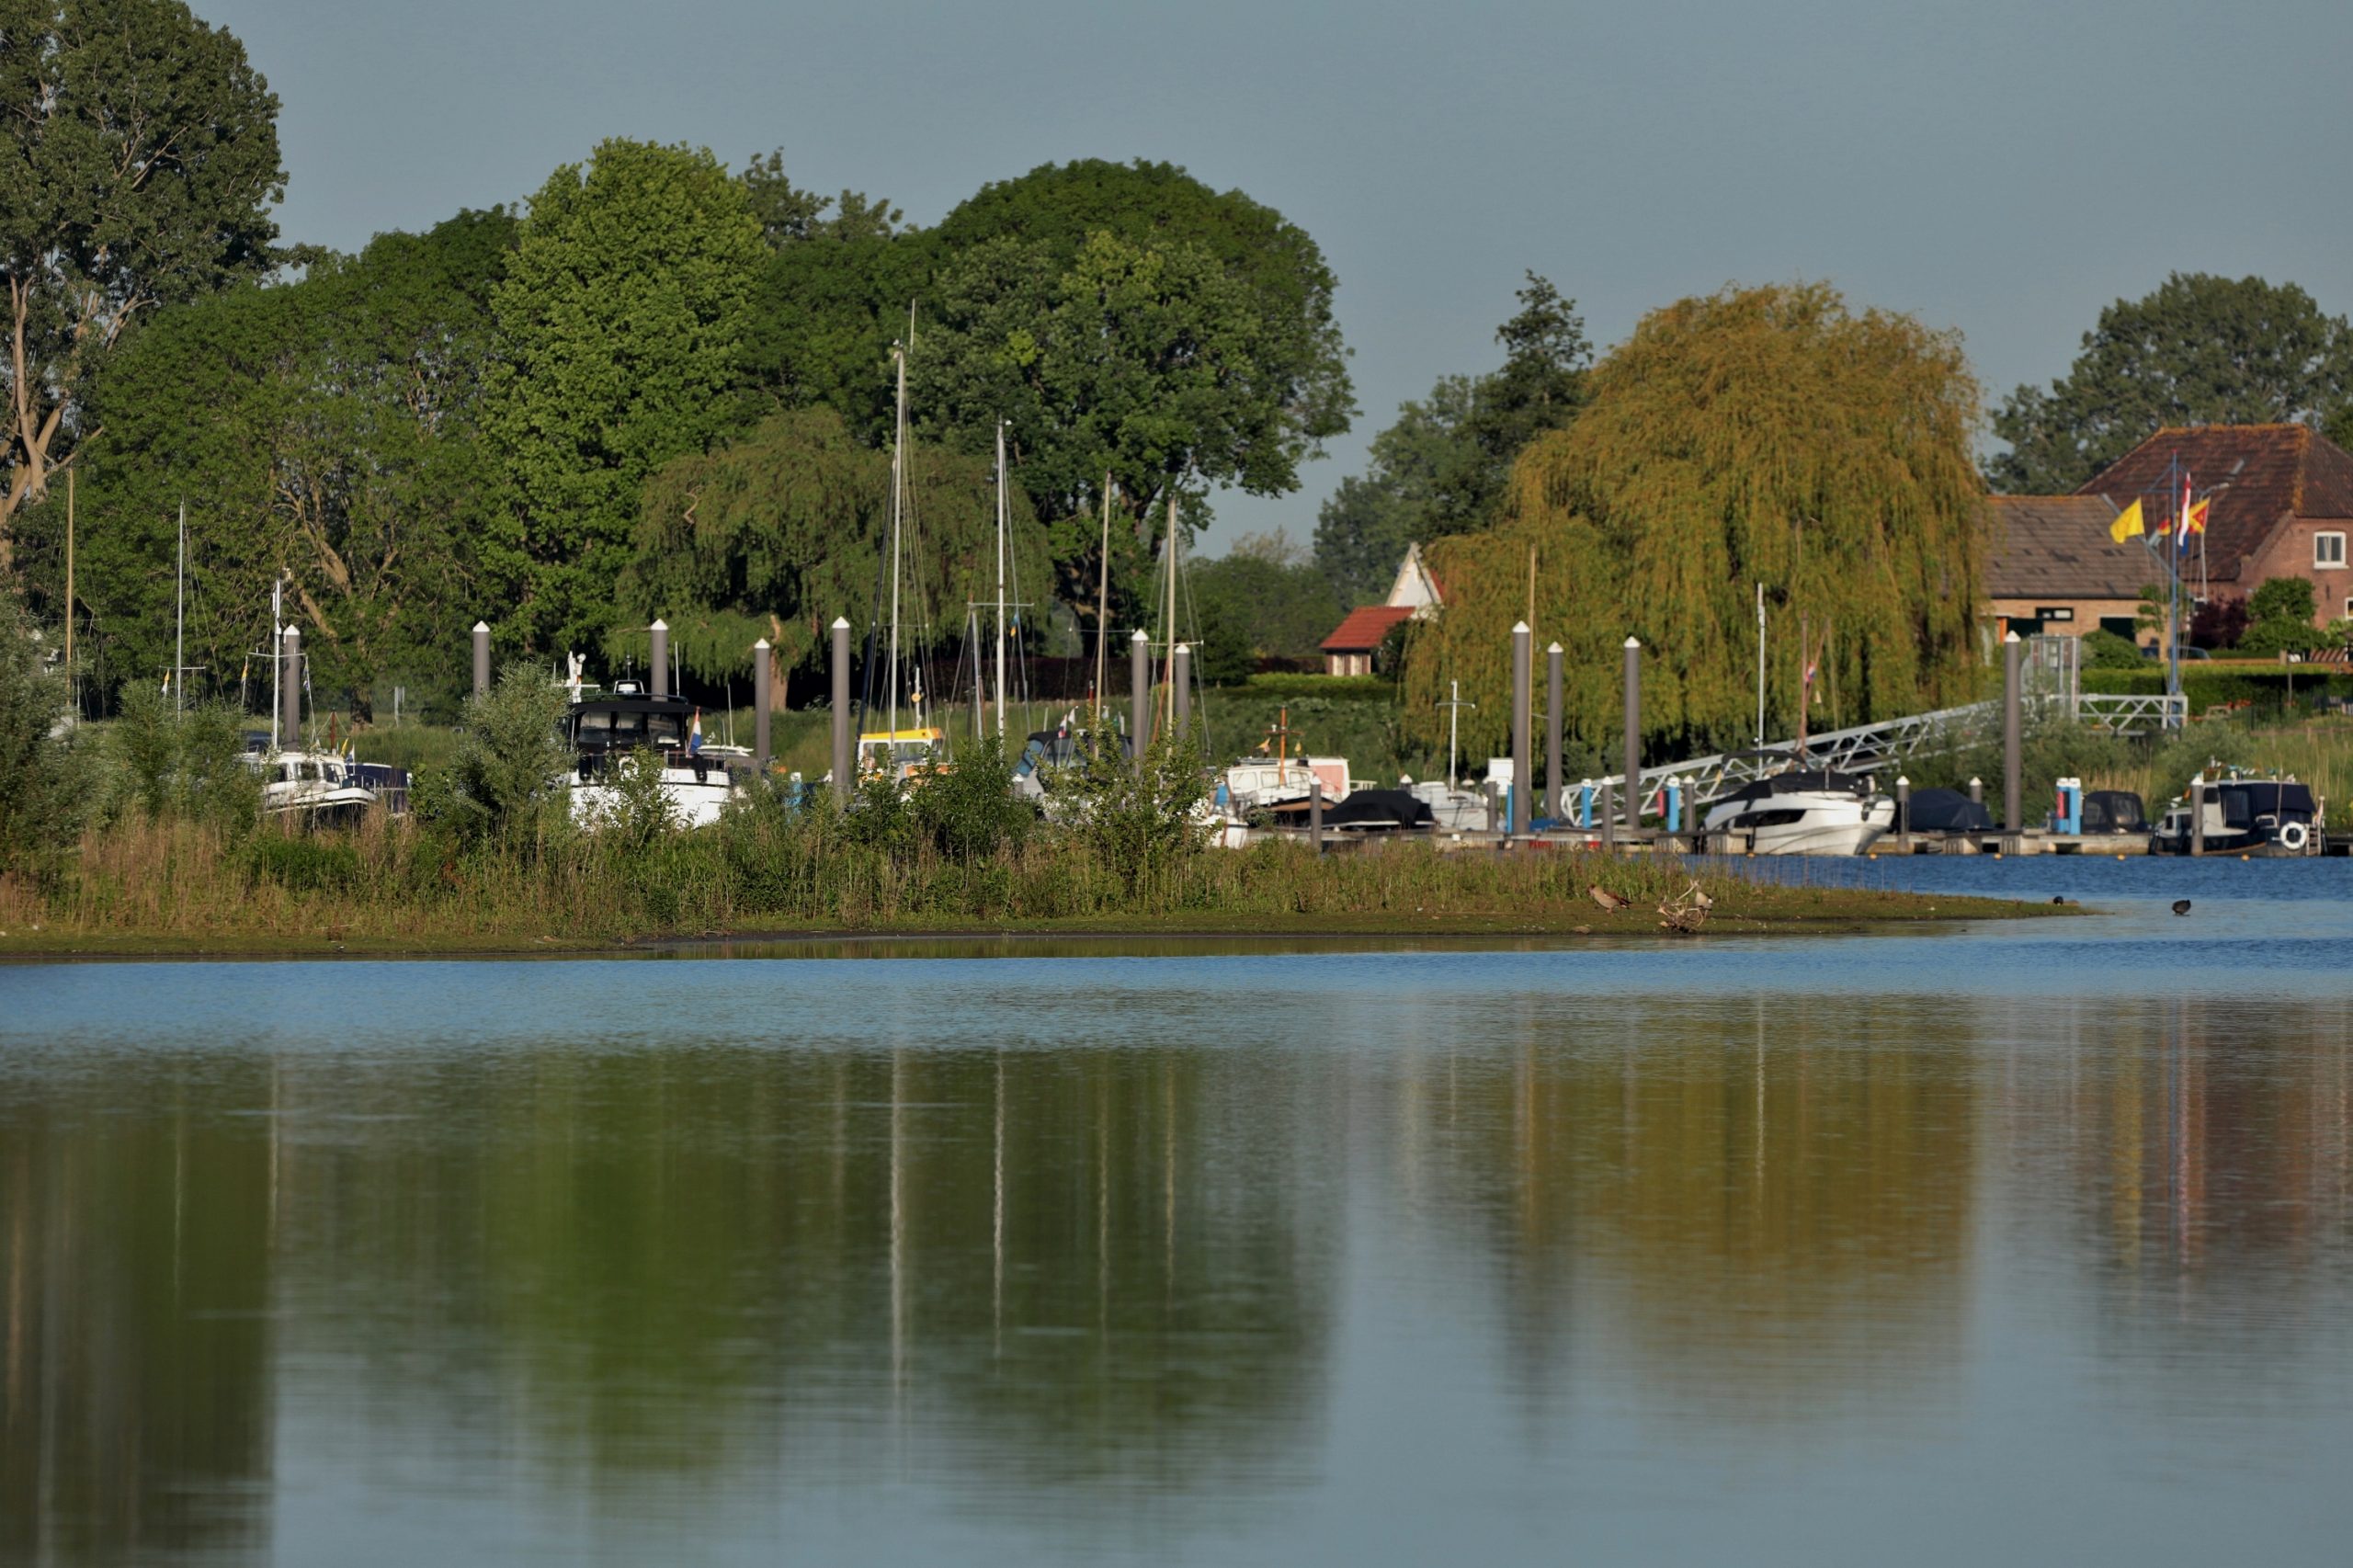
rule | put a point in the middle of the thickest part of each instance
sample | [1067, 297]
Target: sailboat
[899, 752]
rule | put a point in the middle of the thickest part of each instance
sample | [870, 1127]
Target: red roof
[1365, 627]
[2256, 474]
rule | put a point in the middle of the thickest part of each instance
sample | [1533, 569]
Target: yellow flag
[2128, 524]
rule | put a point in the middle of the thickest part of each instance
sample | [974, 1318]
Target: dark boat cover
[1813, 781]
[2113, 811]
[1948, 811]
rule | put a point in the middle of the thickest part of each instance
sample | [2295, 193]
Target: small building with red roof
[1413, 597]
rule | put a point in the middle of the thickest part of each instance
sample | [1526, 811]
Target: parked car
[2152, 652]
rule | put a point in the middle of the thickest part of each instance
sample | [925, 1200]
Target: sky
[2004, 167]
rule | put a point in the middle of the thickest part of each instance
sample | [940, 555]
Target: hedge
[2265, 687]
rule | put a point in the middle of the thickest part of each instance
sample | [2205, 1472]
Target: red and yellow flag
[2194, 520]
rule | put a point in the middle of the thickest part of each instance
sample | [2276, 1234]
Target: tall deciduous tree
[141, 162]
[2199, 350]
[325, 432]
[778, 531]
[1758, 436]
[621, 321]
[1442, 468]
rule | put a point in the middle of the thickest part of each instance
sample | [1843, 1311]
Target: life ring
[2294, 836]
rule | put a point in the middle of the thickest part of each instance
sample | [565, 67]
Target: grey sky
[2005, 166]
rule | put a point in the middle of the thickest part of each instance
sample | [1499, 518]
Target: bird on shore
[2181, 906]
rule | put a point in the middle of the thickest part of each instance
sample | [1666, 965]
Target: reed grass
[391, 884]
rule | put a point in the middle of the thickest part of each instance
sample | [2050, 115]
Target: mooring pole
[661, 686]
[1180, 668]
[1903, 812]
[289, 691]
[843, 783]
[482, 658]
[2198, 812]
[1553, 726]
[1633, 734]
[1139, 696]
[1522, 773]
[760, 678]
[1315, 811]
[2013, 781]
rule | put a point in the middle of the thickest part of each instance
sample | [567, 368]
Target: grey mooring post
[1633, 733]
[1314, 811]
[1607, 811]
[482, 658]
[1523, 774]
[289, 691]
[661, 686]
[843, 783]
[2198, 813]
[1180, 700]
[2013, 779]
[1139, 696]
[1976, 789]
[760, 678]
[1552, 728]
[1903, 812]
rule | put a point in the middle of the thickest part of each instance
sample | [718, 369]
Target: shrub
[2281, 599]
[1139, 822]
[305, 864]
[970, 809]
[188, 763]
[2106, 651]
[505, 783]
[44, 779]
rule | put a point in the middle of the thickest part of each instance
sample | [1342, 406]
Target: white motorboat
[604, 731]
[318, 789]
[1452, 808]
[1808, 812]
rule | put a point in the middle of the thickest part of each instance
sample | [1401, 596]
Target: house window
[2124, 626]
[2328, 549]
[2054, 612]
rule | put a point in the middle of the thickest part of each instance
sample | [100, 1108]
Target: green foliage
[2107, 651]
[621, 316]
[304, 863]
[637, 814]
[505, 784]
[1333, 687]
[1139, 822]
[326, 432]
[1256, 604]
[2281, 599]
[775, 533]
[1764, 435]
[2271, 638]
[44, 780]
[1443, 467]
[187, 764]
[969, 811]
[789, 215]
[2206, 687]
[2199, 350]
[142, 159]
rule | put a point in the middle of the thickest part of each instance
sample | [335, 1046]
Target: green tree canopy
[621, 321]
[775, 533]
[1443, 467]
[141, 164]
[326, 432]
[1262, 600]
[1761, 434]
[2199, 350]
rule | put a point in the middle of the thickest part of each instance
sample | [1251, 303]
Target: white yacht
[1806, 812]
[604, 731]
[318, 789]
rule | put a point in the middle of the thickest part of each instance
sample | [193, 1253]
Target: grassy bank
[176, 886]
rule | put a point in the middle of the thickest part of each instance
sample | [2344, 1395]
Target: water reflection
[1059, 1281]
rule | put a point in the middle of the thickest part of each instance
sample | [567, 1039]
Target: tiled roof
[2057, 547]
[1364, 627]
[2255, 475]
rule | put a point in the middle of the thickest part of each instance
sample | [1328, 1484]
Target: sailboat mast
[179, 612]
[1168, 699]
[1103, 597]
[898, 495]
[1000, 579]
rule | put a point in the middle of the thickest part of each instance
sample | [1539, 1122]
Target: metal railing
[1871, 748]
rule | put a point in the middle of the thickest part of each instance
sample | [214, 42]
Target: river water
[2026, 1243]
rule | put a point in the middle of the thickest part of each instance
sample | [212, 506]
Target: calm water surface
[2029, 1243]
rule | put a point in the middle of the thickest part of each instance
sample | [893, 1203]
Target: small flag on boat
[2128, 524]
[694, 734]
[2196, 518]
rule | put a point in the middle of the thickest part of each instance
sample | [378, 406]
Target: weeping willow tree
[778, 532]
[1758, 436]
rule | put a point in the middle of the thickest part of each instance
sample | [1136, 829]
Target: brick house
[2055, 569]
[2282, 507]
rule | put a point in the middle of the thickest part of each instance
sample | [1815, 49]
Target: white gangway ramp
[1870, 748]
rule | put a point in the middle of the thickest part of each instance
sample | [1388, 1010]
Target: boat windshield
[627, 731]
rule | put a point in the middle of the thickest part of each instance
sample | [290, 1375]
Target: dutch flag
[694, 734]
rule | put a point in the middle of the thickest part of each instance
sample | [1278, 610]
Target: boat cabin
[900, 752]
